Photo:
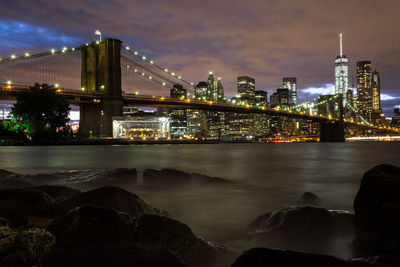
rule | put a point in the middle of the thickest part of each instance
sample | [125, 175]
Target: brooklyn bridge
[103, 77]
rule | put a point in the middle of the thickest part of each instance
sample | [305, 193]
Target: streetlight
[97, 32]
[101, 123]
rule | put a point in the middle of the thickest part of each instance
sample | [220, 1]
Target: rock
[91, 179]
[179, 238]
[306, 228]
[262, 257]
[310, 199]
[377, 212]
[128, 254]
[113, 198]
[24, 247]
[92, 226]
[165, 177]
[17, 205]
[173, 177]
[9, 180]
[57, 192]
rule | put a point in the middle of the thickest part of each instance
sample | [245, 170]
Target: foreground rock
[263, 257]
[82, 180]
[92, 226]
[171, 177]
[304, 228]
[179, 238]
[17, 205]
[113, 198]
[129, 254]
[58, 192]
[310, 199]
[377, 212]
[25, 247]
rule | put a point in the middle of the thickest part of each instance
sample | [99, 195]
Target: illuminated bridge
[102, 77]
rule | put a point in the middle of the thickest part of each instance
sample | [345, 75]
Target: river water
[265, 176]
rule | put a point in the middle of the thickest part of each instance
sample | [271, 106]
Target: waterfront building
[364, 89]
[246, 89]
[341, 71]
[178, 116]
[396, 118]
[200, 91]
[261, 121]
[141, 125]
[377, 116]
[290, 83]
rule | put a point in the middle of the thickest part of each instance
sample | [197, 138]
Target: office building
[364, 89]
[341, 72]
[246, 89]
[290, 83]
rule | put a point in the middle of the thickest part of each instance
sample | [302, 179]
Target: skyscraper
[376, 92]
[341, 71]
[290, 83]
[246, 89]
[396, 118]
[364, 89]
[220, 91]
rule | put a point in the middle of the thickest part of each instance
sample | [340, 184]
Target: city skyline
[266, 49]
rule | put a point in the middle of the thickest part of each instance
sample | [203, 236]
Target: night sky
[265, 39]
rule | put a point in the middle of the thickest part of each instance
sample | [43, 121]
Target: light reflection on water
[266, 176]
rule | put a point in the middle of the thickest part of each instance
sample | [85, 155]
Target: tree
[40, 112]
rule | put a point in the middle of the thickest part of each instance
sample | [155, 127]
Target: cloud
[322, 90]
[385, 97]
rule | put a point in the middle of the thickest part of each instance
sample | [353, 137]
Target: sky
[264, 39]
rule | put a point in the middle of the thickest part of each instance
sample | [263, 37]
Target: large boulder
[128, 254]
[92, 226]
[24, 247]
[165, 177]
[58, 192]
[178, 237]
[172, 177]
[266, 257]
[17, 205]
[9, 180]
[113, 198]
[308, 198]
[377, 212]
[306, 228]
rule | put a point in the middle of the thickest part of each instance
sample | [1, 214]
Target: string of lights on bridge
[166, 70]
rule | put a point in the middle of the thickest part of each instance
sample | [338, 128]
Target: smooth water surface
[266, 176]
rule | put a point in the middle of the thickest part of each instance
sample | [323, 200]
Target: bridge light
[102, 87]
[128, 67]
[83, 88]
[179, 77]
[13, 56]
[173, 73]
[26, 54]
[136, 93]
[135, 70]
[163, 84]
[9, 82]
[97, 42]
[64, 48]
[166, 70]
[142, 73]
[127, 48]
[73, 49]
[192, 84]
[144, 58]
[53, 51]
[151, 62]
[150, 77]
[87, 44]
[136, 53]
[56, 85]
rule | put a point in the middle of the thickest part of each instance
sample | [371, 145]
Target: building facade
[364, 89]
[290, 83]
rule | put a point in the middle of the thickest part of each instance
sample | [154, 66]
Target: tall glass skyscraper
[290, 83]
[341, 71]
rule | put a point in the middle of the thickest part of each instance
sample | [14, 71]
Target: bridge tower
[332, 131]
[101, 73]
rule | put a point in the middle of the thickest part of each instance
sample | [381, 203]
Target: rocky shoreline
[86, 218]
